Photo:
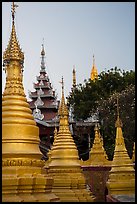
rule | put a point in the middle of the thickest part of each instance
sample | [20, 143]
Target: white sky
[72, 32]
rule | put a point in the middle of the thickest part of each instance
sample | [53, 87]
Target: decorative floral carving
[22, 162]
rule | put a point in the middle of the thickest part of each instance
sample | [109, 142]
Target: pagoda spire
[74, 77]
[43, 58]
[98, 156]
[63, 111]
[22, 180]
[65, 165]
[94, 72]
[122, 170]
[13, 59]
[13, 50]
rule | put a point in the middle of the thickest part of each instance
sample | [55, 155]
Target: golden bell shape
[98, 156]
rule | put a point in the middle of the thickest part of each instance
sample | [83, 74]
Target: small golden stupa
[69, 182]
[94, 72]
[22, 180]
[98, 156]
[122, 175]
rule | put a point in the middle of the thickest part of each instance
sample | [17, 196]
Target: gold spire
[65, 165]
[94, 72]
[74, 77]
[118, 122]
[13, 59]
[22, 180]
[122, 170]
[119, 125]
[13, 51]
[63, 111]
[98, 156]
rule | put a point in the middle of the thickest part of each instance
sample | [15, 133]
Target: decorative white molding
[39, 102]
[37, 114]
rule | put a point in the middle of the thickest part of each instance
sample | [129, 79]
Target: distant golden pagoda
[94, 72]
[69, 182]
[22, 180]
[98, 156]
[122, 175]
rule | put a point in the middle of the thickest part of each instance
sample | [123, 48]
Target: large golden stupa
[22, 180]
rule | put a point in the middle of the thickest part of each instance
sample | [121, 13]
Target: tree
[100, 94]
[108, 115]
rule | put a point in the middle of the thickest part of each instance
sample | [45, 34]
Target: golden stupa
[97, 156]
[22, 180]
[122, 175]
[94, 72]
[69, 182]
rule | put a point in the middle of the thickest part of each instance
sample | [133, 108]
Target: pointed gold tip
[63, 110]
[94, 72]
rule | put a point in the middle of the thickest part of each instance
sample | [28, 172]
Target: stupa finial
[43, 58]
[93, 59]
[13, 11]
[63, 110]
[74, 77]
[62, 83]
[13, 50]
[118, 121]
[94, 72]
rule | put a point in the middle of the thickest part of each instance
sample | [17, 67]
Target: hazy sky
[72, 32]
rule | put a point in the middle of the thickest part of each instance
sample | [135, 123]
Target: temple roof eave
[44, 107]
[47, 123]
[42, 96]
